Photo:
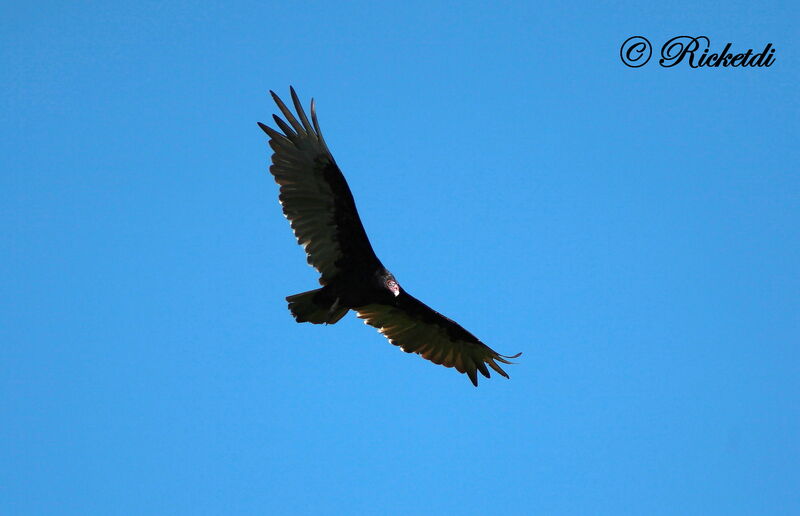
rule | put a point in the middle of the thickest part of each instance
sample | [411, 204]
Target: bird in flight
[320, 208]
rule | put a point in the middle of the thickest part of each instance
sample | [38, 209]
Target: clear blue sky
[634, 232]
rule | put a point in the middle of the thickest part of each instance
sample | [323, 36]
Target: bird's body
[320, 207]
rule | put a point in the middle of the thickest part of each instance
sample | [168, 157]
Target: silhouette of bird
[320, 208]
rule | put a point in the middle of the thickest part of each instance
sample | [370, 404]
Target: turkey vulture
[318, 203]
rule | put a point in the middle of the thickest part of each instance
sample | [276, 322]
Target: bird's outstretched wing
[417, 328]
[314, 194]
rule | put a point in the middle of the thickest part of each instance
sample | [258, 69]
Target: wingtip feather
[284, 126]
[505, 358]
[496, 367]
[483, 370]
[473, 376]
[298, 107]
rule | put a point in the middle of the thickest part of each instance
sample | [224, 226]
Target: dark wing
[417, 328]
[314, 194]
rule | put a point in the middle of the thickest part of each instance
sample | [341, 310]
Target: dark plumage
[318, 203]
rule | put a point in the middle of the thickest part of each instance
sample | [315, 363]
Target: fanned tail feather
[309, 307]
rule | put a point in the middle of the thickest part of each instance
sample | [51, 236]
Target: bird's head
[391, 284]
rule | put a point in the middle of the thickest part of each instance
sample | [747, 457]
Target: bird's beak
[396, 290]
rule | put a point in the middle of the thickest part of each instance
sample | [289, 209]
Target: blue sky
[634, 232]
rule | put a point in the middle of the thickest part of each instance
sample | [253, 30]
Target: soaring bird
[321, 210]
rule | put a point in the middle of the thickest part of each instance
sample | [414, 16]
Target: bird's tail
[313, 308]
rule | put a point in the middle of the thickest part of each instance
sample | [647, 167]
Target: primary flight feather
[321, 210]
